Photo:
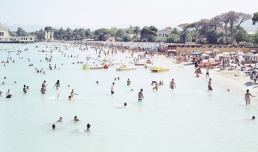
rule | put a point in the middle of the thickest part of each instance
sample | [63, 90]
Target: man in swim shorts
[209, 85]
[247, 97]
[207, 72]
[140, 96]
[172, 84]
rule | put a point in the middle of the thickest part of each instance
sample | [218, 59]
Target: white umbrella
[204, 55]
[232, 52]
[253, 51]
[219, 55]
[173, 50]
[169, 50]
[207, 52]
[215, 50]
[256, 55]
[225, 53]
[240, 53]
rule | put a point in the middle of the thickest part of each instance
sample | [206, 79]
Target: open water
[186, 119]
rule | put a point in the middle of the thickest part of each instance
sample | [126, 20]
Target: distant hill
[249, 27]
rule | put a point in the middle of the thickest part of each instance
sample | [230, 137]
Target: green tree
[48, 28]
[88, 33]
[148, 33]
[255, 18]
[172, 38]
[137, 30]
[241, 35]
[21, 32]
[120, 33]
[255, 38]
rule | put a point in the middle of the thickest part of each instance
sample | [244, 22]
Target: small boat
[97, 67]
[159, 69]
[211, 64]
[124, 68]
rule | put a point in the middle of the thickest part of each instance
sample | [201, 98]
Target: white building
[26, 39]
[4, 34]
[49, 36]
[165, 32]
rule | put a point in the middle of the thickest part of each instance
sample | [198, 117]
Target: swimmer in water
[253, 117]
[57, 85]
[76, 119]
[60, 119]
[97, 82]
[125, 104]
[73, 93]
[9, 94]
[128, 82]
[172, 84]
[140, 95]
[24, 89]
[1, 93]
[88, 127]
[53, 126]
[156, 86]
[44, 84]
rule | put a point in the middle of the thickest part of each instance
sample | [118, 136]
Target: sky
[117, 12]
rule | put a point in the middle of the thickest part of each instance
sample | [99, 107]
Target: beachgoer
[53, 126]
[1, 93]
[207, 72]
[128, 82]
[76, 119]
[44, 84]
[24, 89]
[57, 85]
[247, 97]
[140, 95]
[72, 94]
[88, 127]
[9, 94]
[125, 104]
[156, 86]
[253, 117]
[172, 84]
[97, 82]
[60, 119]
[209, 85]
[112, 88]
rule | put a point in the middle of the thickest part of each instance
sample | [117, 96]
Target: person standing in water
[247, 97]
[207, 72]
[88, 127]
[9, 94]
[57, 85]
[140, 95]
[72, 94]
[112, 88]
[172, 84]
[24, 89]
[44, 84]
[209, 85]
[128, 82]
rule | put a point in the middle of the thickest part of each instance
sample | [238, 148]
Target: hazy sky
[117, 12]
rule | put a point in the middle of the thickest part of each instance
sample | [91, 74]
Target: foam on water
[188, 118]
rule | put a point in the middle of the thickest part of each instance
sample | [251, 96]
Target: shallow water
[186, 119]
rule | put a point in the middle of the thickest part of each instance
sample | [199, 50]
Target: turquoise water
[186, 119]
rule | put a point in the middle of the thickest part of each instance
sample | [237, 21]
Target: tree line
[222, 29]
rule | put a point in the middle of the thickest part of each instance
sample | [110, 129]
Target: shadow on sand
[248, 84]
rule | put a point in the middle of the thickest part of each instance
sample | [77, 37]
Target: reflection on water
[188, 118]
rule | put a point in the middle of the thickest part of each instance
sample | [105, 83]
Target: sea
[188, 118]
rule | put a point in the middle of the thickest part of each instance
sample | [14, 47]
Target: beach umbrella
[173, 50]
[216, 50]
[169, 50]
[208, 52]
[253, 51]
[232, 52]
[204, 55]
[240, 53]
[248, 55]
[225, 56]
[219, 55]
[225, 53]
[256, 55]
